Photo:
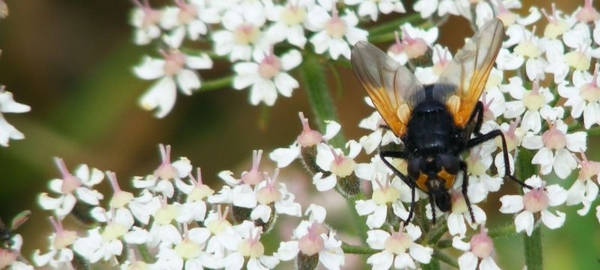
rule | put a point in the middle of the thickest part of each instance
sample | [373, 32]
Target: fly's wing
[393, 88]
[463, 80]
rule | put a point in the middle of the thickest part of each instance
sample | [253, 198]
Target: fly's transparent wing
[393, 88]
[463, 80]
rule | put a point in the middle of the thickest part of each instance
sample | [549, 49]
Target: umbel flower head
[535, 103]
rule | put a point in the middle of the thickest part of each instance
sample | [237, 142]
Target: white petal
[291, 59]
[288, 250]
[187, 81]
[364, 208]
[524, 222]
[556, 194]
[378, 217]
[468, 261]
[404, 261]
[377, 238]
[284, 156]
[285, 84]
[324, 184]
[421, 253]
[511, 204]
[553, 221]
[150, 69]
[161, 96]
[381, 261]
[9, 105]
[456, 224]
[201, 61]
[459, 244]
[488, 264]
[331, 130]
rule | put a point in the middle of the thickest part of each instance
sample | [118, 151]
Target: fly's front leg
[465, 186]
[489, 136]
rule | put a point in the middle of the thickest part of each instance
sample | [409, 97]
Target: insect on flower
[435, 122]
[7, 233]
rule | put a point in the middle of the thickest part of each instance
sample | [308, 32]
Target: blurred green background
[71, 61]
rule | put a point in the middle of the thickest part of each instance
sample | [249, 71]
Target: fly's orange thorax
[443, 175]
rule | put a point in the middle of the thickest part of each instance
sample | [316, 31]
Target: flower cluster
[172, 217]
[261, 39]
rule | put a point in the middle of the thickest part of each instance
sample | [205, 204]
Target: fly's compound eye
[450, 163]
[414, 167]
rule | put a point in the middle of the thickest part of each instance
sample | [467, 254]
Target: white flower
[288, 23]
[145, 20]
[163, 230]
[161, 181]
[557, 24]
[223, 235]
[480, 182]
[174, 71]
[535, 201]
[9, 105]
[372, 8]
[479, 252]
[584, 190]
[334, 161]
[60, 253]
[242, 33]
[98, 246]
[249, 251]
[313, 237]
[398, 248]
[555, 149]
[270, 193]
[414, 44]
[267, 76]
[190, 18]
[384, 197]
[529, 47]
[307, 138]
[583, 97]
[460, 213]
[189, 253]
[427, 7]
[72, 188]
[334, 33]
[534, 104]
[194, 208]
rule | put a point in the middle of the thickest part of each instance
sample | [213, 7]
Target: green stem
[439, 256]
[216, 83]
[351, 249]
[437, 232]
[393, 25]
[442, 244]
[533, 243]
[387, 37]
[533, 250]
[503, 231]
[594, 131]
[143, 250]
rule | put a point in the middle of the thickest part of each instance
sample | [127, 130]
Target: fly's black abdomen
[431, 129]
